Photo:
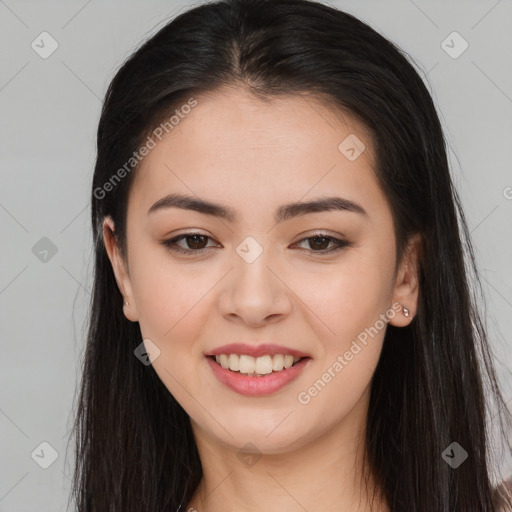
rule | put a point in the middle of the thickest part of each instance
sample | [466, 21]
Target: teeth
[247, 364]
[277, 362]
[263, 365]
[288, 361]
[234, 362]
[256, 365]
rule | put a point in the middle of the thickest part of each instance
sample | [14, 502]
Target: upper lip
[255, 350]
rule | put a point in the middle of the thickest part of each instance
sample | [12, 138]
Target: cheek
[346, 298]
[173, 306]
[169, 297]
[356, 312]
[357, 309]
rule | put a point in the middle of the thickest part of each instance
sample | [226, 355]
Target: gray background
[49, 113]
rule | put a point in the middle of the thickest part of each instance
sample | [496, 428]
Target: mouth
[261, 366]
[260, 376]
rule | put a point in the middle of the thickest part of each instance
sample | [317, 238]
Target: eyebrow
[284, 212]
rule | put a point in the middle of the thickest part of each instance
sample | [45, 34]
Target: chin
[256, 438]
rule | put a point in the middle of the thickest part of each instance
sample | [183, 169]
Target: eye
[319, 243]
[196, 242]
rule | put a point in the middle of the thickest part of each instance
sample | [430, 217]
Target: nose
[256, 292]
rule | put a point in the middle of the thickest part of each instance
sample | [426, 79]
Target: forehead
[234, 147]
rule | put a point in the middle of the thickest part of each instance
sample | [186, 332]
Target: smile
[248, 380]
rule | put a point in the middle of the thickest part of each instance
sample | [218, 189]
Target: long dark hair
[134, 445]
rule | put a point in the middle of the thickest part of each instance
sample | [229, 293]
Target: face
[317, 283]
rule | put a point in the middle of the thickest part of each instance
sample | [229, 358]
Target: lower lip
[257, 386]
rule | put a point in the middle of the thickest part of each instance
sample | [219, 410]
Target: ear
[406, 284]
[120, 270]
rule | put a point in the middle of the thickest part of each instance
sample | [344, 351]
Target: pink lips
[262, 385]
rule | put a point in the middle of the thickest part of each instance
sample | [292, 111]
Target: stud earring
[406, 311]
[126, 303]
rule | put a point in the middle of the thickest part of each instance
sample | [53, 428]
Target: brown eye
[319, 243]
[197, 243]
[194, 243]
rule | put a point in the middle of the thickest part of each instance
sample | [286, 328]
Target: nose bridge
[254, 292]
[251, 268]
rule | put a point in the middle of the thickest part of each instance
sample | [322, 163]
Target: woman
[282, 316]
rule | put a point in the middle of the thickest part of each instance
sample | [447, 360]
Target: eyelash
[171, 244]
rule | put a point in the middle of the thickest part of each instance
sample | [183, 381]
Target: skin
[254, 156]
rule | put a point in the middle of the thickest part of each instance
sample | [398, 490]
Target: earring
[406, 311]
[126, 303]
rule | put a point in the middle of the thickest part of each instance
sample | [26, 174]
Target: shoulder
[504, 489]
